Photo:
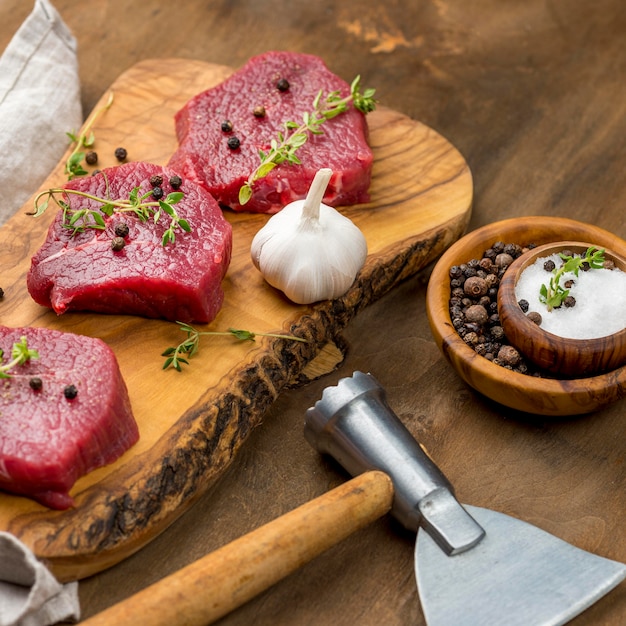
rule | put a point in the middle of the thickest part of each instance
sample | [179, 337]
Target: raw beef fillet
[179, 282]
[205, 156]
[49, 436]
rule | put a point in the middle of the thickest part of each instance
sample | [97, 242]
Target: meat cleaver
[472, 565]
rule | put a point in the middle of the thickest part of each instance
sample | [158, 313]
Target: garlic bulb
[309, 250]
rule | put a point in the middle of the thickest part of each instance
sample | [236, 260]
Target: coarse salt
[600, 294]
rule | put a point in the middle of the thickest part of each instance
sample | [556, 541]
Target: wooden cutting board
[193, 422]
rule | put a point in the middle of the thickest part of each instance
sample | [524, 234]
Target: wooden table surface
[533, 95]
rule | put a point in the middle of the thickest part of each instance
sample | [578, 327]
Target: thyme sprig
[20, 354]
[179, 355]
[85, 139]
[283, 149]
[78, 220]
[553, 294]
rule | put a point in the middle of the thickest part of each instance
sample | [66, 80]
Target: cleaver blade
[516, 575]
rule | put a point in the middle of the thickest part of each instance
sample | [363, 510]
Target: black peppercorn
[233, 143]
[456, 311]
[282, 84]
[91, 158]
[471, 338]
[156, 180]
[486, 263]
[458, 322]
[121, 154]
[227, 126]
[473, 306]
[523, 304]
[157, 193]
[549, 265]
[70, 392]
[473, 327]
[121, 229]
[497, 332]
[176, 182]
[117, 244]
[35, 383]
[512, 249]
[491, 280]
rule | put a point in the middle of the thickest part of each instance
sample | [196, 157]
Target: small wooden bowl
[560, 355]
[540, 396]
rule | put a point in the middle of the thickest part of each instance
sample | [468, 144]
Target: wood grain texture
[192, 424]
[550, 397]
[532, 94]
[226, 579]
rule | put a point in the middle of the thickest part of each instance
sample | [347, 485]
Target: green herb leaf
[140, 205]
[190, 346]
[85, 139]
[174, 197]
[242, 335]
[20, 354]
[245, 193]
[553, 294]
[283, 149]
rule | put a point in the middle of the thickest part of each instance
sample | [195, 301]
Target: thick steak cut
[180, 281]
[49, 439]
[205, 156]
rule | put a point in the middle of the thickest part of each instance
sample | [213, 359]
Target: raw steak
[204, 156]
[180, 281]
[48, 440]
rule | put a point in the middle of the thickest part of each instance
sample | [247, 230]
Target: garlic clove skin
[309, 250]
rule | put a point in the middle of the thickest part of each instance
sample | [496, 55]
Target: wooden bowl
[560, 355]
[540, 396]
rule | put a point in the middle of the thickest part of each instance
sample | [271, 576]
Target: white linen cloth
[29, 594]
[39, 104]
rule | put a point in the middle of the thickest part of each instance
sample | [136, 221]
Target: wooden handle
[217, 583]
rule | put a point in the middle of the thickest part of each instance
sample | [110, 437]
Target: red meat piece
[177, 282]
[47, 440]
[204, 155]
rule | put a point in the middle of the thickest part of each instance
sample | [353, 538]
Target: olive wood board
[193, 422]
